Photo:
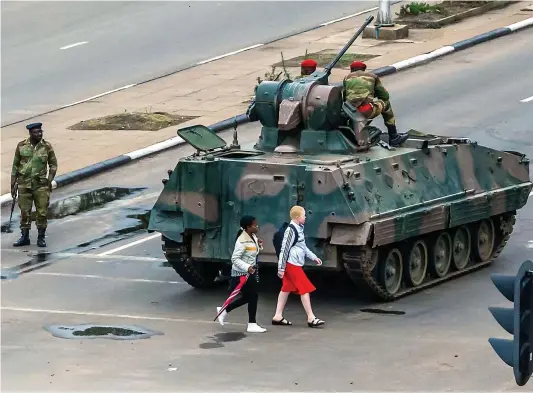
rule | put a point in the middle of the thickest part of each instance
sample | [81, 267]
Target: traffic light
[518, 352]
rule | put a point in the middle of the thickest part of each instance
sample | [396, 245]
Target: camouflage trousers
[383, 108]
[27, 197]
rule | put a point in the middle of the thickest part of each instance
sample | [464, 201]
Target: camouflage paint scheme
[30, 169]
[394, 219]
[359, 89]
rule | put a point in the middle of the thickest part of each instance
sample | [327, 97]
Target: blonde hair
[296, 212]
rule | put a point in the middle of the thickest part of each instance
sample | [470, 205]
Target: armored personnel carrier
[395, 220]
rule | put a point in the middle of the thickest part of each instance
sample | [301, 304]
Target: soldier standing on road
[365, 91]
[32, 157]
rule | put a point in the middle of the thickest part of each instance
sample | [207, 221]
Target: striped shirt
[295, 255]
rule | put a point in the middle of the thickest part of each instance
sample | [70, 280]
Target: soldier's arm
[16, 162]
[380, 90]
[52, 164]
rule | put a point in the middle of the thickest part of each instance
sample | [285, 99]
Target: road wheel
[390, 271]
[461, 248]
[440, 255]
[484, 236]
[416, 263]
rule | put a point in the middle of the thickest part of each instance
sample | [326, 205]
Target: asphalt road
[128, 42]
[96, 275]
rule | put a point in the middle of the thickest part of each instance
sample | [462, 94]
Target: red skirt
[295, 281]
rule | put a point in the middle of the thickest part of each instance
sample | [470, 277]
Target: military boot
[24, 239]
[40, 238]
[395, 139]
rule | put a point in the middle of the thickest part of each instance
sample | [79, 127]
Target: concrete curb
[93, 169]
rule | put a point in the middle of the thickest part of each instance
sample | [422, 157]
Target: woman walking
[290, 269]
[244, 261]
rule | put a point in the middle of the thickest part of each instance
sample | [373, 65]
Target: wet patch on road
[381, 311]
[37, 261]
[218, 339]
[517, 137]
[133, 221]
[80, 203]
[88, 201]
[129, 224]
[113, 332]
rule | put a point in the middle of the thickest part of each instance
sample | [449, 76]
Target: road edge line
[91, 170]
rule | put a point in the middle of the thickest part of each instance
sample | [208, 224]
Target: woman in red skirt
[290, 269]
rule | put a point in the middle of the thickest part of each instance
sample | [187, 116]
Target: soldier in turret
[32, 157]
[307, 67]
[365, 91]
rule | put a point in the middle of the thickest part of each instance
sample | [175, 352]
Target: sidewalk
[218, 90]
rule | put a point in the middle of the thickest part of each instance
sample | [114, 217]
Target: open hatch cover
[201, 138]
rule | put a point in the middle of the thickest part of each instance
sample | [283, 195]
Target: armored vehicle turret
[395, 220]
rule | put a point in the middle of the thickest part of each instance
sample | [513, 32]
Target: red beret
[358, 64]
[308, 63]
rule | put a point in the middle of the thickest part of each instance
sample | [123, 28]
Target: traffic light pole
[518, 321]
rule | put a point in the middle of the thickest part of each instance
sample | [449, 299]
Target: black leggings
[248, 295]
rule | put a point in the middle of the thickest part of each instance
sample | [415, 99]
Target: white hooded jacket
[244, 254]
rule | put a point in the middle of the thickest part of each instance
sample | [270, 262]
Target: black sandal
[282, 322]
[316, 323]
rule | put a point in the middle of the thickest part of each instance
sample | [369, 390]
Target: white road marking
[529, 244]
[527, 99]
[107, 278]
[348, 16]
[101, 258]
[73, 45]
[229, 54]
[153, 236]
[107, 315]
[99, 95]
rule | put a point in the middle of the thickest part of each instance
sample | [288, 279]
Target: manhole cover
[100, 331]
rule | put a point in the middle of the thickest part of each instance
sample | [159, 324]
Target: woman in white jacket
[244, 261]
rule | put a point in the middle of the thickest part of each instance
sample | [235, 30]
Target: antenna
[235, 143]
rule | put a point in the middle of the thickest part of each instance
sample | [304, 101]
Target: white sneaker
[255, 328]
[222, 316]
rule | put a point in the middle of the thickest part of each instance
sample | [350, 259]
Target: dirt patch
[323, 58]
[153, 121]
[435, 15]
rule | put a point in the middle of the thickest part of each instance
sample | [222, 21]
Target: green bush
[416, 8]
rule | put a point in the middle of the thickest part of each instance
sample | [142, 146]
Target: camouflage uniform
[30, 170]
[361, 88]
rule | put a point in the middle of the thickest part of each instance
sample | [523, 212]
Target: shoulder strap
[295, 233]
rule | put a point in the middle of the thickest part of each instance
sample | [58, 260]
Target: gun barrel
[330, 66]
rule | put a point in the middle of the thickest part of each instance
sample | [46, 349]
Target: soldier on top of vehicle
[365, 92]
[307, 67]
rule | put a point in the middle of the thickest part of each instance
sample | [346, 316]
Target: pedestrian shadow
[334, 290]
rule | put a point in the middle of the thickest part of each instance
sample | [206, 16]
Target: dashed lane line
[128, 245]
[527, 99]
[99, 258]
[108, 315]
[74, 45]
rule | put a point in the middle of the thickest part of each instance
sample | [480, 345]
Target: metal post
[384, 18]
